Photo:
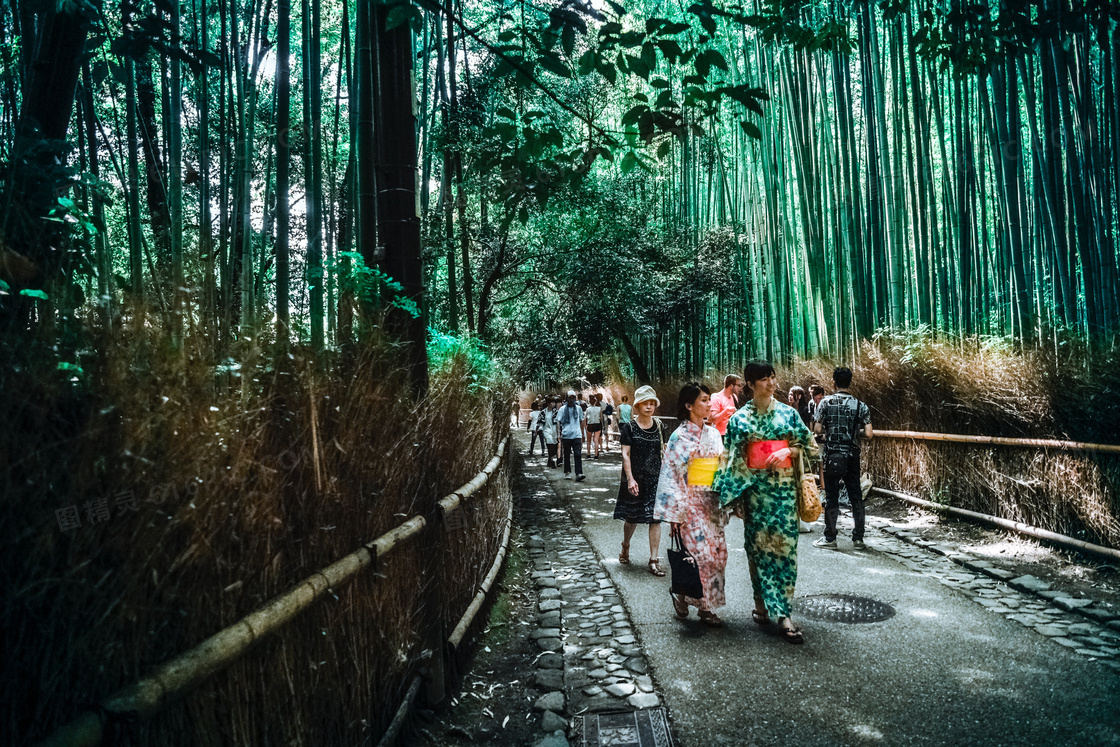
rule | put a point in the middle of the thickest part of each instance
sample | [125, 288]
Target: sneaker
[581, 478]
[567, 475]
[825, 542]
[859, 545]
[804, 527]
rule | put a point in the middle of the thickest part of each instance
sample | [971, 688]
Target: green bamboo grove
[676, 186]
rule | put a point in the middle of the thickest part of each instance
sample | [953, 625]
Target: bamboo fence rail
[176, 677]
[1015, 526]
[1044, 443]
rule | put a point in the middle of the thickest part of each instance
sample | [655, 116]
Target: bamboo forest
[671, 183]
[282, 282]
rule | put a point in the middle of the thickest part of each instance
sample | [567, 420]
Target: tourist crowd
[736, 452]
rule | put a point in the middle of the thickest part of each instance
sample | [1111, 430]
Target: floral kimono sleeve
[672, 484]
[734, 477]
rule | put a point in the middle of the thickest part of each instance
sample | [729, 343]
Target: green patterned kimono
[771, 500]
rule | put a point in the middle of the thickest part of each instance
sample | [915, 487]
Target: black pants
[850, 478]
[533, 441]
[570, 445]
[551, 454]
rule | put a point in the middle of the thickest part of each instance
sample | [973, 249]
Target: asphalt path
[942, 671]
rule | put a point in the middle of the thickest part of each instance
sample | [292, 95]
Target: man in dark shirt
[843, 419]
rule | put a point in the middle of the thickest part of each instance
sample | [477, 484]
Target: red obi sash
[759, 451]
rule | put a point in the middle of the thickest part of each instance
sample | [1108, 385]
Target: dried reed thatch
[921, 384]
[219, 498]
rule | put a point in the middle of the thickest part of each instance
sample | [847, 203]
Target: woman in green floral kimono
[763, 438]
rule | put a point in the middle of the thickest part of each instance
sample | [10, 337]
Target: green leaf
[554, 65]
[670, 49]
[634, 114]
[629, 161]
[568, 40]
[41, 295]
[751, 129]
[4, 286]
[401, 14]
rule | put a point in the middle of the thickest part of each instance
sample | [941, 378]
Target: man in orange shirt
[723, 403]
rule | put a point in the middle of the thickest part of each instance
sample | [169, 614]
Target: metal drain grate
[843, 608]
[645, 728]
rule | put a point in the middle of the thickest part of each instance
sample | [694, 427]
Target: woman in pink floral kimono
[685, 499]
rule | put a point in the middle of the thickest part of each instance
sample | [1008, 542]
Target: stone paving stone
[1071, 604]
[553, 701]
[1100, 614]
[1082, 628]
[556, 739]
[643, 700]
[1065, 642]
[545, 633]
[551, 661]
[549, 679]
[551, 722]
[1050, 631]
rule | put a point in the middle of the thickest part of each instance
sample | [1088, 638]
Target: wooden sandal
[711, 619]
[760, 618]
[679, 605]
[655, 567]
[624, 556]
[793, 635]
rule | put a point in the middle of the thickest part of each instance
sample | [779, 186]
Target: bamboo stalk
[394, 730]
[1043, 443]
[476, 604]
[1015, 526]
[186, 671]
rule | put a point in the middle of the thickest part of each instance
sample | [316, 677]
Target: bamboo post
[1043, 443]
[1015, 526]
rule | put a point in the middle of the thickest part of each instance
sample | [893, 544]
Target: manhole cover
[843, 608]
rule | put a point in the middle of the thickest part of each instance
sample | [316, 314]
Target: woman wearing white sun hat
[643, 440]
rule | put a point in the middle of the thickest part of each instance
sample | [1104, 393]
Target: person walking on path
[723, 403]
[763, 439]
[594, 426]
[843, 419]
[550, 439]
[685, 500]
[800, 402]
[608, 415]
[643, 440]
[573, 424]
[624, 411]
[536, 427]
[816, 394]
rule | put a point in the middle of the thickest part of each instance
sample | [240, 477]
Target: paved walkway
[967, 659]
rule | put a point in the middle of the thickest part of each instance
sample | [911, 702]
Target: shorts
[594, 427]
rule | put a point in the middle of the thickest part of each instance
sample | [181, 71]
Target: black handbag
[685, 575]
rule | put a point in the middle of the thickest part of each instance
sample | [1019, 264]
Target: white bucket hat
[641, 394]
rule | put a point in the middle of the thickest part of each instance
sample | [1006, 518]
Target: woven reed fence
[460, 521]
[1068, 487]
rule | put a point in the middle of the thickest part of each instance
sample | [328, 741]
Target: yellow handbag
[809, 506]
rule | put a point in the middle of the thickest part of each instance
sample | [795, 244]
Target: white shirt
[594, 414]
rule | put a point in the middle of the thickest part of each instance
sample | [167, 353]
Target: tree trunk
[398, 223]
